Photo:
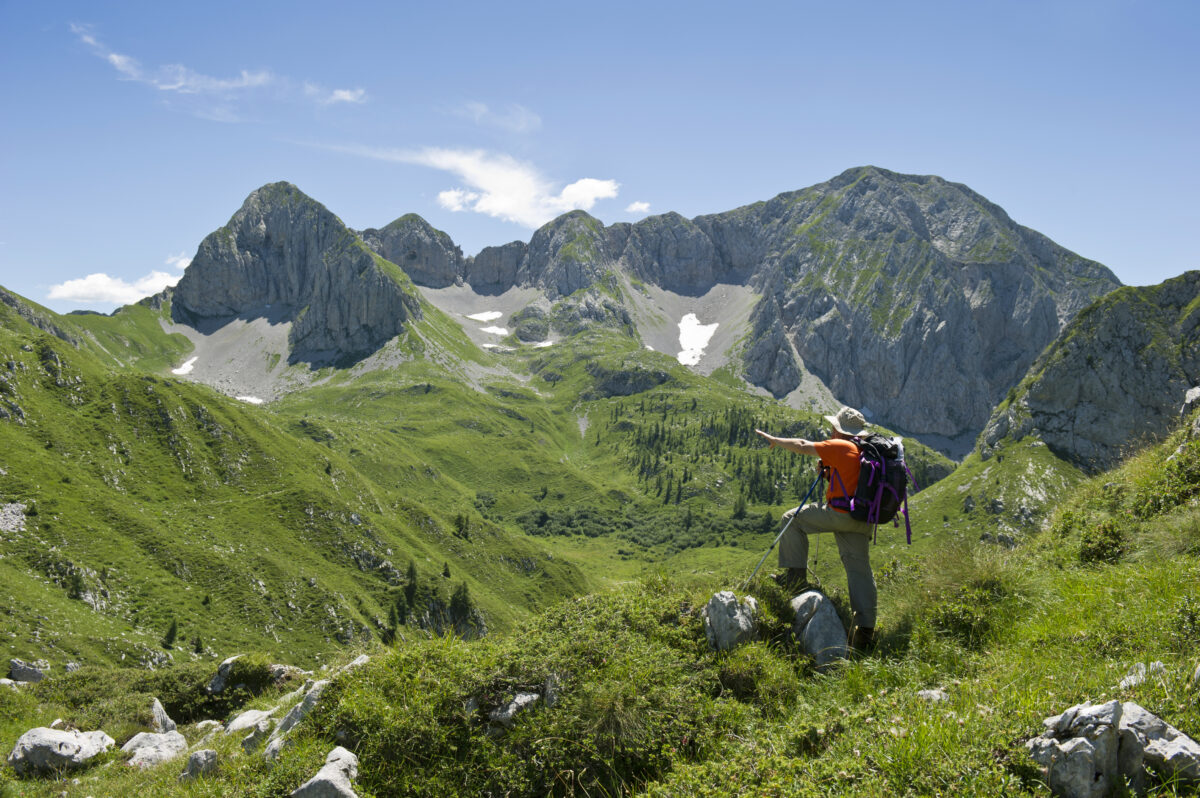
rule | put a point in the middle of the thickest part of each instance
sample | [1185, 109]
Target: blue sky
[131, 130]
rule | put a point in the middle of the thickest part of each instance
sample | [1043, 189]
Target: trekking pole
[780, 535]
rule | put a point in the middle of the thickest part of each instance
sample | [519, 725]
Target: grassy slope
[158, 500]
[644, 707]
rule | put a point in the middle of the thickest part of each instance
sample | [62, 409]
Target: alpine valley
[524, 473]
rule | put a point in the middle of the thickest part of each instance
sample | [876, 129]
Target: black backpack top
[883, 477]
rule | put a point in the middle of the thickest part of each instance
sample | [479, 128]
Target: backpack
[882, 483]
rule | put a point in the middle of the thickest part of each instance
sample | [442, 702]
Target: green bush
[1102, 542]
[755, 674]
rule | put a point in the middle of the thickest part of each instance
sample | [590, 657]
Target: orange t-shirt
[842, 456]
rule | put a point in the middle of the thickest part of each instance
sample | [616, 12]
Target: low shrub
[1102, 542]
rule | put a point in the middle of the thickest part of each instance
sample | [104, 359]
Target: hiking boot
[862, 639]
[792, 579]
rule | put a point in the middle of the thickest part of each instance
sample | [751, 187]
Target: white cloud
[637, 207]
[325, 97]
[513, 118]
[179, 261]
[497, 184]
[100, 288]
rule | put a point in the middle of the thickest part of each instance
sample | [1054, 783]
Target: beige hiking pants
[854, 544]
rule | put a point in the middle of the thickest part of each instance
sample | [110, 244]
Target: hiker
[841, 456]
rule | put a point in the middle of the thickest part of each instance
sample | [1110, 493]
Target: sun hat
[848, 421]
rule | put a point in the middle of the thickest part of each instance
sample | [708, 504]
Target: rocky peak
[566, 254]
[427, 255]
[285, 257]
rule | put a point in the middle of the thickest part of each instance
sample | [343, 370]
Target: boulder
[1137, 674]
[161, 721]
[152, 749]
[332, 780]
[728, 622]
[22, 671]
[818, 628]
[45, 750]
[200, 763]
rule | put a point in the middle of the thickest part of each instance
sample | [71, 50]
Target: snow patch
[495, 330]
[487, 315]
[497, 347]
[543, 344]
[693, 338]
[186, 368]
[254, 400]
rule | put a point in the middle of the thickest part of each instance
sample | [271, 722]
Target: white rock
[152, 749]
[356, 663]
[248, 719]
[506, 715]
[162, 722]
[728, 622]
[200, 763]
[9, 683]
[1135, 676]
[332, 780]
[818, 628]
[933, 696]
[44, 750]
[208, 725]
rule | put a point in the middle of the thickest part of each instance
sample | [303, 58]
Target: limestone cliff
[285, 257]
[426, 255]
[1114, 379]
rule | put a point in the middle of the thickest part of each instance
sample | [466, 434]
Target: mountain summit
[284, 257]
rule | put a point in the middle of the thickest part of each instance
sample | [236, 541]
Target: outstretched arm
[797, 445]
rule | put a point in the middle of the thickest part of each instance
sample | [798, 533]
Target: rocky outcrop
[285, 257]
[428, 256]
[1115, 378]
[494, 270]
[44, 750]
[770, 360]
[728, 622]
[160, 721]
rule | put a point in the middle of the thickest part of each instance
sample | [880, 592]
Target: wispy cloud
[182, 80]
[637, 207]
[498, 185]
[513, 117]
[104, 289]
[171, 77]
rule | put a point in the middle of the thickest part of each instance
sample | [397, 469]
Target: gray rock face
[152, 749]
[426, 255]
[818, 628]
[334, 779]
[494, 270]
[729, 623]
[45, 750]
[1114, 378]
[200, 763]
[285, 257]
[770, 359]
[566, 254]
[22, 671]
